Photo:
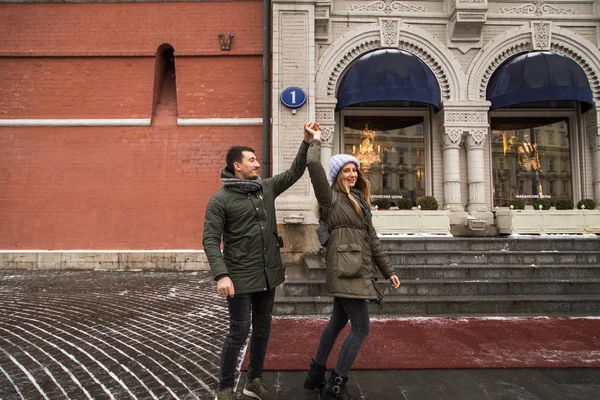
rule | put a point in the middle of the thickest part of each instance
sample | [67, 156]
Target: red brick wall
[66, 87]
[111, 188]
[217, 87]
[129, 28]
[119, 187]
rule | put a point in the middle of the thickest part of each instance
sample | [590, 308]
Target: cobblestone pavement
[143, 335]
[109, 335]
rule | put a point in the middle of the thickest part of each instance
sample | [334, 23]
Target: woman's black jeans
[240, 307]
[344, 309]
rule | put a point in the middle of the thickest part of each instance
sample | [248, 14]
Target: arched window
[164, 102]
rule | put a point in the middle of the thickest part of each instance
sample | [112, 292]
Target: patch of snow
[395, 235]
[553, 236]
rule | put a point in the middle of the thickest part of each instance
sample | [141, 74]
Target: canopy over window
[539, 77]
[388, 75]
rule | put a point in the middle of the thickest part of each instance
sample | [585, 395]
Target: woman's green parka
[354, 250]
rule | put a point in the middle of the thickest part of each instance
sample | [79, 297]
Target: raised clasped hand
[312, 130]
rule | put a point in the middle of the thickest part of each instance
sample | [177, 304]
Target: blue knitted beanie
[338, 161]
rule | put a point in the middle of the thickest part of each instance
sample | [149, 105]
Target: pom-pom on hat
[338, 161]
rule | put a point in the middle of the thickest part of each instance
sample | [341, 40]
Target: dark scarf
[363, 204]
[240, 185]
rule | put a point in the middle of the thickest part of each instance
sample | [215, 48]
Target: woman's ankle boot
[315, 379]
[335, 388]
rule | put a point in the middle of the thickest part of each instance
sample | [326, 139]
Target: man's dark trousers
[242, 307]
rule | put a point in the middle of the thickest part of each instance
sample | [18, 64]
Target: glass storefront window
[392, 154]
[531, 159]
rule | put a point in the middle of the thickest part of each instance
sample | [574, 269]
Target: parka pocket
[349, 260]
[235, 251]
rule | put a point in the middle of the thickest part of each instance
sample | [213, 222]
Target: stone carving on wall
[324, 115]
[387, 6]
[390, 29]
[539, 8]
[541, 35]
[465, 117]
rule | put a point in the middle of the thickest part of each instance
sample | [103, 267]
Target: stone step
[524, 243]
[480, 271]
[453, 305]
[456, 287]
[523, 258]
[469, 276]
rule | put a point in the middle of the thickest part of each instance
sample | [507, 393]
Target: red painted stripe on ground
[425, 343]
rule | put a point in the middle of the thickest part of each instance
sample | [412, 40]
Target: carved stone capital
[476, 138]
[451, 137]
[327, 134]
[595, 141]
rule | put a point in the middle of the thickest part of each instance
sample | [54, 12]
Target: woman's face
[349, 174]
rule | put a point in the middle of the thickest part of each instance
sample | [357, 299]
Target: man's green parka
[248, 227]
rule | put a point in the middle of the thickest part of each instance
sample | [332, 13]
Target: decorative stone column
[593, 132]
[475, 170]
[471, 118]
[450, 142]
[595, 146]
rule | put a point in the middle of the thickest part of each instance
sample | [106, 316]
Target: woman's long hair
[362, 185]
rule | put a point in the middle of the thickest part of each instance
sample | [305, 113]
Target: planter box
[542, 222]
[411, 222]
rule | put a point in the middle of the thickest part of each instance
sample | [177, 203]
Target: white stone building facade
[462, 42]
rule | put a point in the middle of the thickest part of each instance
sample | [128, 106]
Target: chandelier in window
[367, 154]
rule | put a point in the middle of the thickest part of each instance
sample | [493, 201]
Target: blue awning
[388, 75]
[537, 77]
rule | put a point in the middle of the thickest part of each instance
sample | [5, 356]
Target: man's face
[248, 168]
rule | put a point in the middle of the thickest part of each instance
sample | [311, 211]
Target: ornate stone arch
[356, 42]
[529, 38]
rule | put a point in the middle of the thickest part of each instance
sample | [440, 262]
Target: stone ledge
[160, 260]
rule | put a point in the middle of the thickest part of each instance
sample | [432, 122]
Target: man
[242, 213]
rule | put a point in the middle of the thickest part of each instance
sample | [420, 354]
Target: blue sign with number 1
[293, 97]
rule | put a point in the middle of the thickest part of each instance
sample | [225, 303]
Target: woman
[353, 252]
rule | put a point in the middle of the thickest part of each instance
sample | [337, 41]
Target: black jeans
[357, 311]
[242, 307]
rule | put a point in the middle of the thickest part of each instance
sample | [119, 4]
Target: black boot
[335, 388]
[315, 379]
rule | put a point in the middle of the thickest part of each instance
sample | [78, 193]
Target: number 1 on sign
[293, 93]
